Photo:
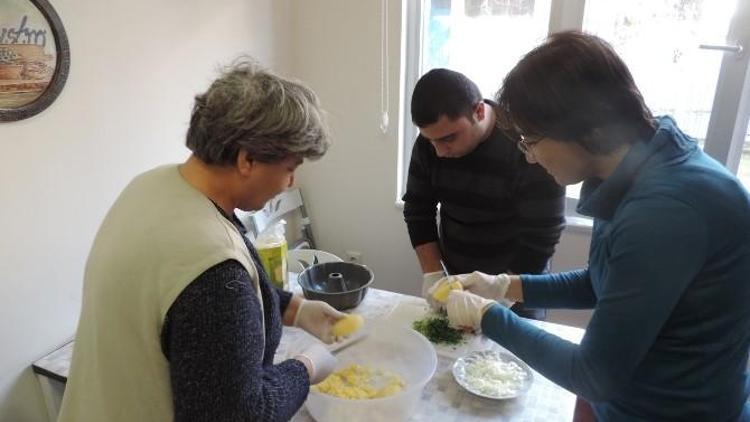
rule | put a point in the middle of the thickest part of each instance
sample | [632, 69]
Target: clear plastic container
[391, 348]
[273, 250]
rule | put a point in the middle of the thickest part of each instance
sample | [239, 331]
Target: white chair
[282, 205]
[299, 259]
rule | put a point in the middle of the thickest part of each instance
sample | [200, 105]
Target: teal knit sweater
[669, 283]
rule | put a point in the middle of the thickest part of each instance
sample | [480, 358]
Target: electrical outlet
[354, 256]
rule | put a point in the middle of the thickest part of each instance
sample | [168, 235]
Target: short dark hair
[574, 88]
[249, 108]
[443, 92]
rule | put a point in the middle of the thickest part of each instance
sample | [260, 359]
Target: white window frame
[727, 126]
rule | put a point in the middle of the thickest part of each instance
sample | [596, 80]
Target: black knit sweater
[498, 213]
[220, 367]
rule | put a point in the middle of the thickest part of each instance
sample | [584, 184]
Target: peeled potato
[441, 293]
[348, 325]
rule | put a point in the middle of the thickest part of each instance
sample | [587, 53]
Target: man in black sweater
[498, 213]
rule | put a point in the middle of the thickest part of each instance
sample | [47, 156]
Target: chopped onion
[494, 377]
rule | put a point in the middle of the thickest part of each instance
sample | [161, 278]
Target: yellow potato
[358, 382]
[348, 325]
[441, 293]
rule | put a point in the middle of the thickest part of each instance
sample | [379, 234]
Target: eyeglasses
[526, 142]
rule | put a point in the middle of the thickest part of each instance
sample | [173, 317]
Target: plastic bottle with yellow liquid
[273, 250]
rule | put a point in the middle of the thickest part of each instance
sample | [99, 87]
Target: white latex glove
[488, 286]
[317, 318]
[428, 281]
[319, 362]
[465, 310]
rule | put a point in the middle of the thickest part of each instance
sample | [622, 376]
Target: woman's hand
[465, 310]
[317, 318]
[488, 286]
[318, 361]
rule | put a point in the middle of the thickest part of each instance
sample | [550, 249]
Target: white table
[52, 373]
[442, 400]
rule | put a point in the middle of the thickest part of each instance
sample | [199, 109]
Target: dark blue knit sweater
[220, 367]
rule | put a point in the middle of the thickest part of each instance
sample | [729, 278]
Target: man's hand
[465, 310]
[428, 281]
[488, 286]
[317, 318]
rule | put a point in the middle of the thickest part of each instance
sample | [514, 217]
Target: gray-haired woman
[178, 319]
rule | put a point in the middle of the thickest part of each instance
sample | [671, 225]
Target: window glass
[744, 170]
[482, 39]
[659, 41]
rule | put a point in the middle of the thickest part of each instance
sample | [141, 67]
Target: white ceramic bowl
[387, 347]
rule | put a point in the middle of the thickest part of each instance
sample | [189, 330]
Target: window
[472, 36]
[682, 53]
[744, 165]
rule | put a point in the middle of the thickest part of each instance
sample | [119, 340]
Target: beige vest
[158, 237]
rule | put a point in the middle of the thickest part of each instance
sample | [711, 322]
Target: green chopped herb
[437, 330]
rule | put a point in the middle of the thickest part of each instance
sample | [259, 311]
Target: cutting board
[411, 309]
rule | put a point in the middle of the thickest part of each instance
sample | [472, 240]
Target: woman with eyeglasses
[669, 262]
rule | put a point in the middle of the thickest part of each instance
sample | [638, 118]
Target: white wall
[135, 67]
[351, 192]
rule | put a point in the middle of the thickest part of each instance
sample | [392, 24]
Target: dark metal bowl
[342, 285]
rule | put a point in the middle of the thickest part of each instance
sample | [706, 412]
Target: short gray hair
[250, 108]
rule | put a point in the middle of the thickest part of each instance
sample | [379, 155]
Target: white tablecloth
[443, 399]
